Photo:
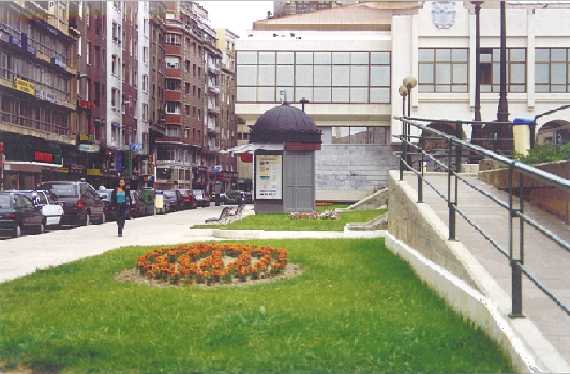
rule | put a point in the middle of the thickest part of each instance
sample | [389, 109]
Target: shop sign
[44, 157]
[246, 158]
[89, 148]
[85, 104]
[94, 172]
[135, 147]
[24, 86]
[269, 177]
[84, 138]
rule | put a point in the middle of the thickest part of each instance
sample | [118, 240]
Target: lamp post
[410, 82]
[403, 92]
[477, 5]
[303, 101]
[503, 109]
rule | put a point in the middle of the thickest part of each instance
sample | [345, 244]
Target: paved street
[543, 258]
[24, 255]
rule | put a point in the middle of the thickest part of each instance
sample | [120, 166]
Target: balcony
[173, 118]
[213, 89]
[170, 95]
[213, 108]
[213, 68]
[173, 73]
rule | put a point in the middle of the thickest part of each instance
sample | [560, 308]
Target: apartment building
[228, 123]
[291, 7]
[37, 92]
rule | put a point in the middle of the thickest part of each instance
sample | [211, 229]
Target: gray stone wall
[352, 172]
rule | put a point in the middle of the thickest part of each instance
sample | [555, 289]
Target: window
[114, 97]
[187, 110]
[88, 52]
[173, 131]
[490, 69]
[552, 70]
[114, 65]
[172, 62]
[187, 88]
[173, 39]
[377, 135]
[145, 82]
[443, 69]
[321, 77]
[172, 107]
[187, 65]
[145, 112]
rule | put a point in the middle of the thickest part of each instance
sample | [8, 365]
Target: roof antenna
[283, 94]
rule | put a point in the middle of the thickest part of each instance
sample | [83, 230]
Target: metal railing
[452, 165]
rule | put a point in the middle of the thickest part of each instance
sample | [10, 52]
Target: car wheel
[18, 231]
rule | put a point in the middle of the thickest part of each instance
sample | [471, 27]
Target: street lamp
[503, 109]
[403, 92]
[477, 5]
[410, 82]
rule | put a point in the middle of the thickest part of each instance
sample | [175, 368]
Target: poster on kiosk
[269, 177]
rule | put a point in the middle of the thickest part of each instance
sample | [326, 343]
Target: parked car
[173, 200]
[147, 196]
[108, 208]
[81, 203]
[187, 198]
[201, 198]
[232, 198]
[137, 207]
[51, 209]
[19, 215]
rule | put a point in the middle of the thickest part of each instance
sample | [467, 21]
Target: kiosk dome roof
[285, 123]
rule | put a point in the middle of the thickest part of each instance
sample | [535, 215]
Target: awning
[246, 148]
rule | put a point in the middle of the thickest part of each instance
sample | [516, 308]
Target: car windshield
[5, 201]
[64, 190]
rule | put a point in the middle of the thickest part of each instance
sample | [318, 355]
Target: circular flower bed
[212, 263]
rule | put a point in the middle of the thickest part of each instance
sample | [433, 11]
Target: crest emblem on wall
[443, 14]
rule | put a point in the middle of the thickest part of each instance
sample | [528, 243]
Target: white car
[51, 210]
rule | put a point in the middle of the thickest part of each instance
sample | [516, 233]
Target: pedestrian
[120, 198]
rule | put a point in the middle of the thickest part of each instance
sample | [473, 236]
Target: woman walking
[121, 199]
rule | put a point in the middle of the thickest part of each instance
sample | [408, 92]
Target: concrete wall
[415, 225]
[351, 172]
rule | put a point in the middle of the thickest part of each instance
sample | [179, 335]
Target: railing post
[458, 148]
[402, 150]
[516, 273]
[420, 178]
[450, 204]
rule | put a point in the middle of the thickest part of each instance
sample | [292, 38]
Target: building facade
[349, 62]
[38, 88]
[290, 7]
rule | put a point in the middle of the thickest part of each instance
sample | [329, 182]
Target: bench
[223, 218]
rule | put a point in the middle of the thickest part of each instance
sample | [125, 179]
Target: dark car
[137, 207]
[81, 203]
[108, 208]
[187, 197]
[233, 198]
[19, 215]
[173, 199]
[147, 195]
[201, 198]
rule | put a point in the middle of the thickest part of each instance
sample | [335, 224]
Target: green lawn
[282, 222]
[355, 308]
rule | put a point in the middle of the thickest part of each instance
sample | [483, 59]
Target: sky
[236, 15]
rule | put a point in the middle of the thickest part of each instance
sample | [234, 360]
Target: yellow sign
[24, 86]
[94, 172]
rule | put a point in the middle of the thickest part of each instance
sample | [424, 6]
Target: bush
[545, 153]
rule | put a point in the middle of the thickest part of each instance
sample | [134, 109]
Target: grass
[282, 222]
[356, 308]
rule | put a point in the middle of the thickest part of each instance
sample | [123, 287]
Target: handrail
[455, 153]
[526, 169]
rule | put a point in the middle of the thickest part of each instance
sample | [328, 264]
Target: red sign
[246, 157]
[43, 157]
[85, 104]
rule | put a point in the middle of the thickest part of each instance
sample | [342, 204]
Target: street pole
[477, 5]
[303, 101]
[503, 109]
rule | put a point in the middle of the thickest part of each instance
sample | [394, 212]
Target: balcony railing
[34, 124]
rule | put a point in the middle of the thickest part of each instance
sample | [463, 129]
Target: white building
[114, 83]
[350, 61]
[143, 46]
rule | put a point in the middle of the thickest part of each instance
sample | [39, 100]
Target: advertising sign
[269, 177]
[24, 86]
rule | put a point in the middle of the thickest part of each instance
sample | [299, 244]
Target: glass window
[542, 54]
[518, 54]
[380, 75]
[446, 71]
[266, 94]
[379, 135]
[380, 95]
[304, 75]
[322, 94]
[341, 58]
[340, 95]
[380, 58]
[285, 74]
[443, 55]
[247, 57]
[340, 75]
[322, 75]
[304, 92]
[359, 58]
[358, 135]
[266, 75]
[542, 73]
[459, 55]
[426, 55]
[304, 58]
[247, 75]
[359, 75]
[340, 135]
[246, 94]
[443, 74]
[285, 58]
[558, 73]
[551, 70]
[358, 94]
[266, 58]
[322, 58]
